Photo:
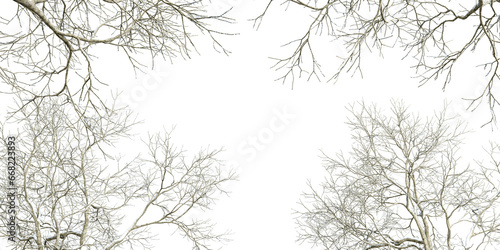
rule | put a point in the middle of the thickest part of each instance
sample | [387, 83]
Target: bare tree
[47, 46]
[403, 186]
[73, 191]
[73, 194]
[425, 30]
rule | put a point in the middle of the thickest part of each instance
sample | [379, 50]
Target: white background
[224, 101]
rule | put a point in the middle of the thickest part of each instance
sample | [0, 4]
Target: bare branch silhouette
[73, 192]
[424, 31]
[47, 48]
[403, 186]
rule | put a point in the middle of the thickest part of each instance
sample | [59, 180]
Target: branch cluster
[424, 30]
[73, 194]
[53, 41]
[403, 186]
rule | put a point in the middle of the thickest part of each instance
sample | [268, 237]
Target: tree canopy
[74, 189]
[403, 185]
[437, 36]
[48, 47]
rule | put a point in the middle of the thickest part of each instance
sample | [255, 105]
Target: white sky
[225, 101]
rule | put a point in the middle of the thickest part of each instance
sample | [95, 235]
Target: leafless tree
[403, 186]
[437, 34]
[47, 47]
[72, 193]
